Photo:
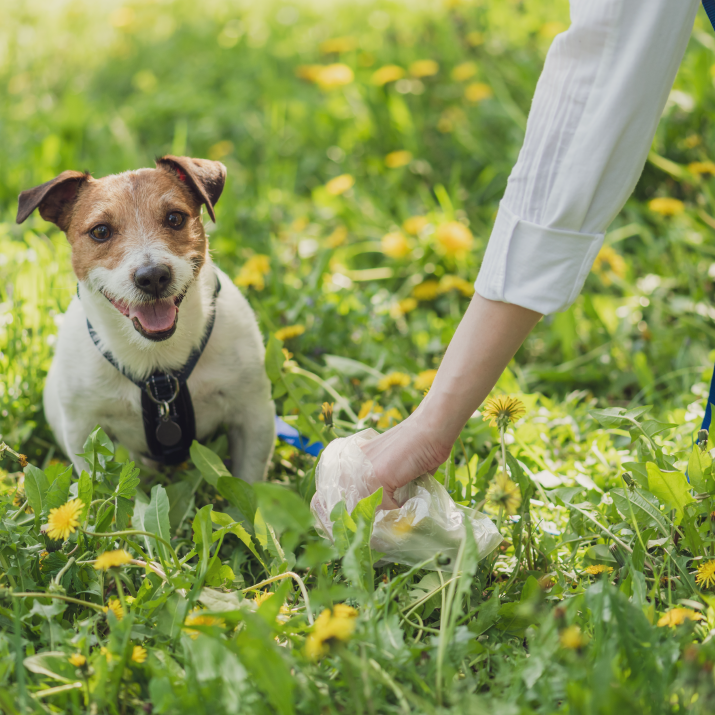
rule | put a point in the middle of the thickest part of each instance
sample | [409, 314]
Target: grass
[527, 630]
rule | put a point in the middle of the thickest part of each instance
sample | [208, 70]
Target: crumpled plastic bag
[427, 524]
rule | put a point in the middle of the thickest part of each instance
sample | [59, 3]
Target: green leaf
[208, 463]
[36, 486]
[96, 445]
[282, 508]
[236, 529]
[156, 519]
[356, 566]
[264, 661]
[645, 512]
[344, 527]
[128, 481]
[367, 507]
[85, 491]
[565, 495]
[220, 575]
[488, 614]
[697, 464]
[202, 529]
[239, 494]
[274, 358]
[125, 511]
[59, 491]
[671, 489]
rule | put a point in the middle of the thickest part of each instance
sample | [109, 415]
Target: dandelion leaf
[208, 463]
[671, 489]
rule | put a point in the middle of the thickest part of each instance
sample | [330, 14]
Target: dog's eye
[101, 233]
[176, 219]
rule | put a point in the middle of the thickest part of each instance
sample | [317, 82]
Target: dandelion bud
[327, 412]
[617, 554]
[703, 440]
[628, 479]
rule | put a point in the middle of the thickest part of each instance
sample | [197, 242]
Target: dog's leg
[251, 443]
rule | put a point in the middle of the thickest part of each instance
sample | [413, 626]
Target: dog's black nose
[153, 279]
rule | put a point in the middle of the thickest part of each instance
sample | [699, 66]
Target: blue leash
[709, 6]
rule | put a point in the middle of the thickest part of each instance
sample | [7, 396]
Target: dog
[159, 346]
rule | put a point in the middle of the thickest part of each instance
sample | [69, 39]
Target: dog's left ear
[205, 178]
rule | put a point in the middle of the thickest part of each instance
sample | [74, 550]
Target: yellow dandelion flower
[337, 45]
[77, 659]
[608, 260]
[415, 224]
[219, 150]
[115, 606]
[389, 418]
[596, 569]
[676, 616]
[702, 167]
[64, 520]
[330, 626]
[106, 653]
[395, 245]
[572, 638]
[396, 159]
[424, 68]
[463, 72]
[403, 526]
[290, 332]
[308, 72]
[253, 271]
[427, 290]
[138, 654]
[478, 92]
[388, 73]
[450, 282]
[110, 559]
[454, 238]
[666, 206]
[424, 380]
[504, 494]
[402, 307]
[333, 76]
[693, 140]
[367, 408]
[340, 184]
[198, 618]
[502, 410]
[337, 237]
[393, 379]
[706, 574]
[549, 30]
[261, 598]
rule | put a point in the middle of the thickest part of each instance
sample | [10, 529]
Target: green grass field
[367, 146]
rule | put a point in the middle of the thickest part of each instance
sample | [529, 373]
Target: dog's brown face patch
[139, 210]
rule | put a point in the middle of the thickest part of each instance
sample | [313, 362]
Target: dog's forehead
[135, 189]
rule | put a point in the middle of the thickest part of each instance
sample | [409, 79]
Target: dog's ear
[55, 198]
[205, 178]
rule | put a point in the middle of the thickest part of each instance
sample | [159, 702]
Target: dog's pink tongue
[154, 317]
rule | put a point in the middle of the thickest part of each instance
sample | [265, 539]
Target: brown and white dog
[147, 285]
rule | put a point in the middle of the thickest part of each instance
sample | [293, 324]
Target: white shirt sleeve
[595, 111]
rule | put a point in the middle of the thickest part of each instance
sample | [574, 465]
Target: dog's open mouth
[156, 320]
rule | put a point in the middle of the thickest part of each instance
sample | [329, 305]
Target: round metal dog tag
[168, 433]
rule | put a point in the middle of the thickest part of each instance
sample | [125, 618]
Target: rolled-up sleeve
[595, 111]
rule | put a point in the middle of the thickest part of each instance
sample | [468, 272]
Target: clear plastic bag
[428, 523]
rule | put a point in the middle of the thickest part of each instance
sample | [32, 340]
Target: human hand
[402, 454]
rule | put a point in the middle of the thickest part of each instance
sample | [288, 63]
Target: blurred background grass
[367, 146]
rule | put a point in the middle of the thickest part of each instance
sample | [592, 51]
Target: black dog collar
[167, 410]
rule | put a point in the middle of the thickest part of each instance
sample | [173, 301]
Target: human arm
[595, 111]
